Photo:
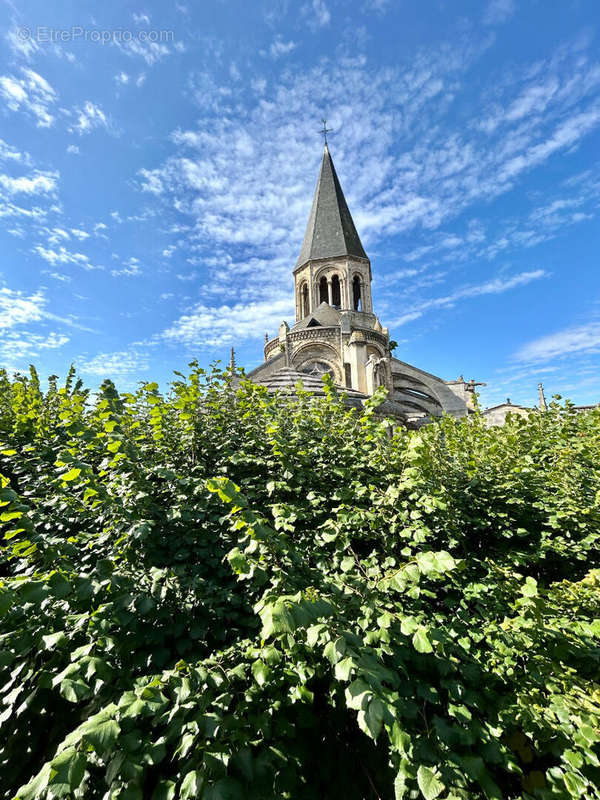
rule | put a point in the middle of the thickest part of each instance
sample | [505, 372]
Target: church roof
[330, 231]
[323, 315]
[286, 378]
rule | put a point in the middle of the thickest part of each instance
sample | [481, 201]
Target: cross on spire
[325, 130]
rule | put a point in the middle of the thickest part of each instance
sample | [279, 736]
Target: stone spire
[232, 360]
[330, 231]
[543, 405]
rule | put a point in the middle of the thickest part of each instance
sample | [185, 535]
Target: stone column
[357, 357]
[329, 292]
[370, 375]
[365, 296]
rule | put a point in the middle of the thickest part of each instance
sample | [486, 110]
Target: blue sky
[155, 186]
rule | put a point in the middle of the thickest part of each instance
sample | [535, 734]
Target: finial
[508, 403]
[543, 405]
[232, 360]
[325, 130]
[266, 338]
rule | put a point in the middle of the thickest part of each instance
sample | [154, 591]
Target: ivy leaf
[67, 770]
[276, 618]
[408, 625]
[529, 588]
[343, 668]
[399, 738]
[191, 786]
[52, 640]
[357, 694]
[37, 785]
[71, 475]
[74, 690]
[421, 641]
[429, 784]
[227, 491]
[260, 671]
[371, 719]
[102, 735]
[443, 561]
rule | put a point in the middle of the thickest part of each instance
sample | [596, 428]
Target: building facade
[336, 330]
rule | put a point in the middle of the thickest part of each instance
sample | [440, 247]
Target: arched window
[323, 294]
[356, 295]
[304, 310]
[336, 294]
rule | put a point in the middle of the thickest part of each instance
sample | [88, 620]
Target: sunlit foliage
[221, 594]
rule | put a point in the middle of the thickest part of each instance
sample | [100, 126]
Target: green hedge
[221, 594]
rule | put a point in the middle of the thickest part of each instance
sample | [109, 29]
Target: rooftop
[330, 231]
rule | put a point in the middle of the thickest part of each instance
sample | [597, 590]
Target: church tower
[336, 331]
[332, 267]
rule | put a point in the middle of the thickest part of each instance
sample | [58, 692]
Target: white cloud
[280, 48]
[19, 347]
[237, 197]
[30, 93]
[99, 229]
[150, 52]
[121, 78]
[318, 14]
[130, 268]
[403, 160]
[17, 308]
[106, 365]
[60, 255]
[141, 18]
[89, 116]
[498, 11]
[21, 44]
[73, 149]
[258, 85]
[10, 153]
[39, 183]
[379, 6]
[494, 286]
[57, 235]
[580, 339]
[152, 182]
[59, 276]
[205, 327]
[565, 134]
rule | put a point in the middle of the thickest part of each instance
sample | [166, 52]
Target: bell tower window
[356, 294]
[323, 293]
[304, 310]
[336, 294]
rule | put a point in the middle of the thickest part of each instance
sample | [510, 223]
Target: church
[336, 330]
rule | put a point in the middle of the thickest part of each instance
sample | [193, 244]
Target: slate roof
[330, 231]
[324, 315]
[286, 378]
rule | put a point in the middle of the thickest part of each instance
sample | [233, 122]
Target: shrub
[222, 594]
